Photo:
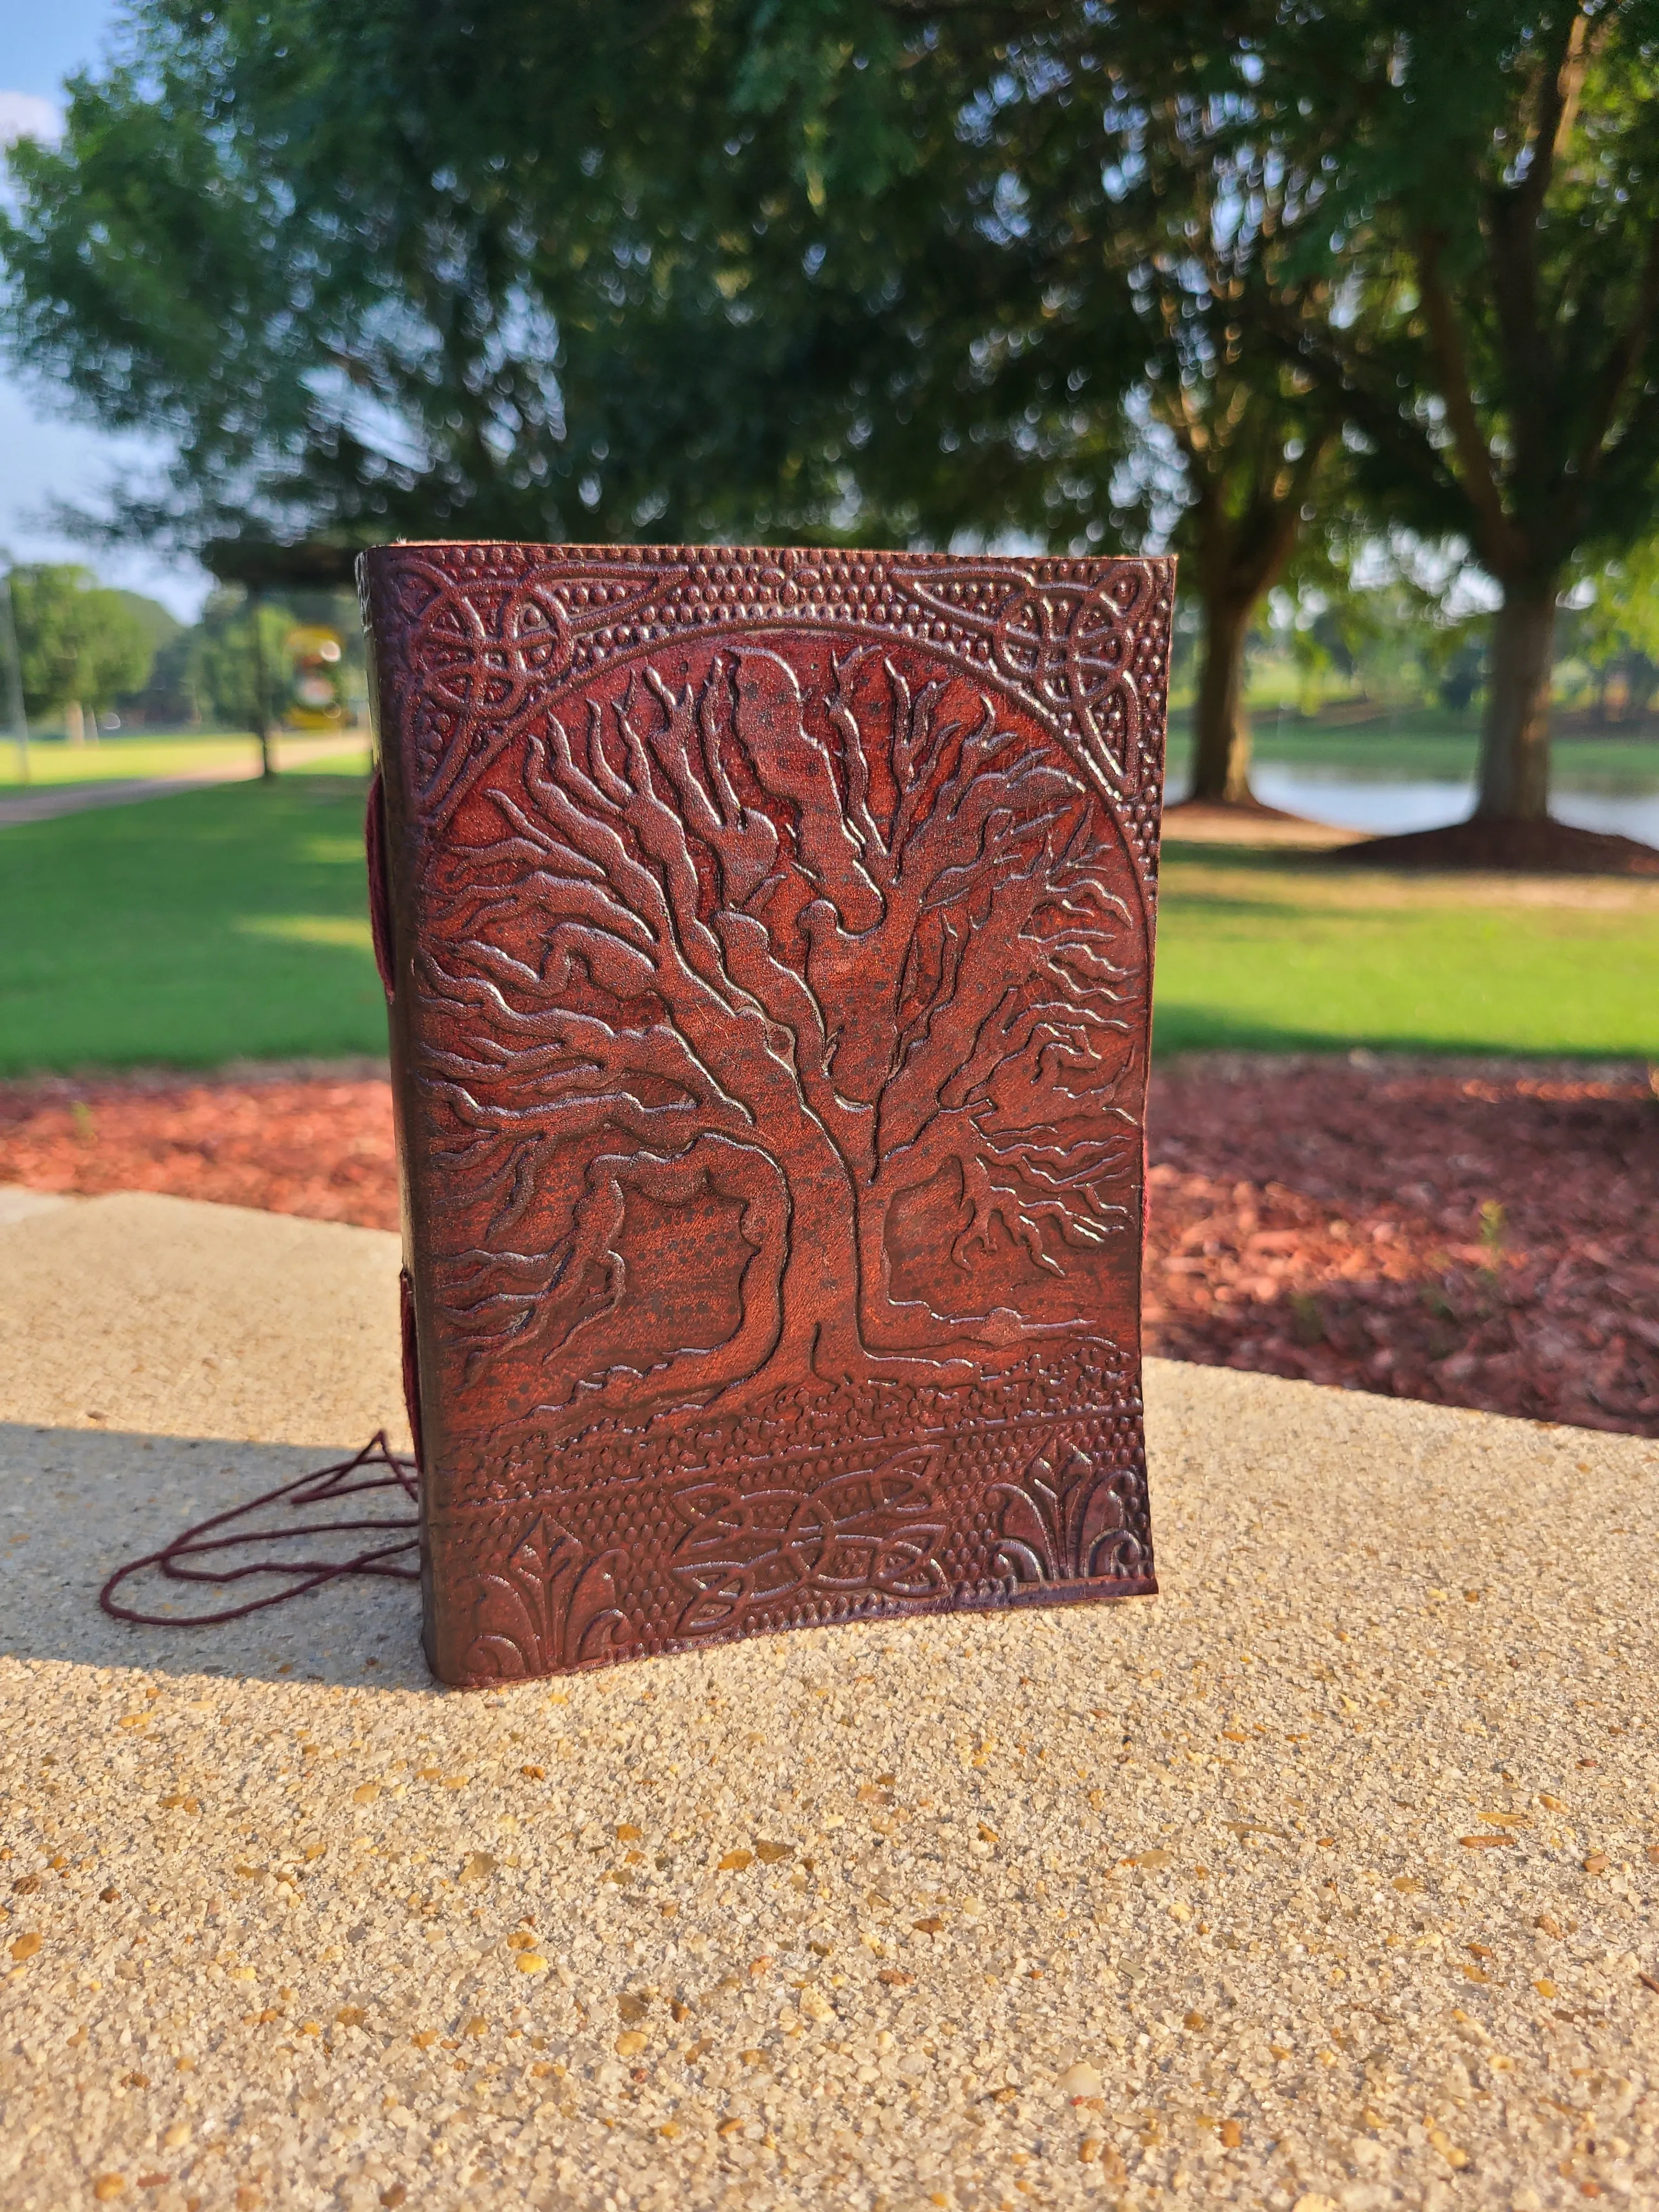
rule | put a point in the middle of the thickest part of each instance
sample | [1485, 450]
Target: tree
[171, 694]
[377, 268]
[887, 918]
[1616, 632]
[1383, 614]
[80, 646]
[1154, 216]
[1496, 204]
[1443, 219]
[239, 676]
[1115, 365]
[1153, 191]
[764, 273]
[1252, 463]
[882, 269]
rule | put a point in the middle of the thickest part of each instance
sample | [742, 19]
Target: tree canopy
[378, 269]
[1494, 344]
[896, 269]
[78, 643]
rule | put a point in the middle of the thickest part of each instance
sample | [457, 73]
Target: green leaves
[376, 268]
[76, 641]
[1497, 216]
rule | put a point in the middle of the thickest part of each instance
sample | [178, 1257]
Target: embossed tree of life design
[784, 1015]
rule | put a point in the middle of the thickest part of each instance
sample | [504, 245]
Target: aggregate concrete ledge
[1326, 1879]
[142, 1312]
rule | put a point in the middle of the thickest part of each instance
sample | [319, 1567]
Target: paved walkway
[1326, 1879]
[46, 802]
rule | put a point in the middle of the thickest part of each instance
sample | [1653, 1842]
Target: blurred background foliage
[96, 660]
[80, 647]
[1354, 306]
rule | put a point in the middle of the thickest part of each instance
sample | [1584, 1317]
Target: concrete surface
[1326, 1879]
[17, 1203]
[161, 1315]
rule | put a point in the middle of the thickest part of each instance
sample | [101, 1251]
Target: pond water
[1385, 805]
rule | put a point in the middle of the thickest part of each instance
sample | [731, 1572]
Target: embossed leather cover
[769, 939]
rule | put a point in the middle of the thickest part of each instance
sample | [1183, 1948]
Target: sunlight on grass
[190, 930]
[307, 928]
[332, 850]
[115, 758]
[1256, 952]
[231, 923]
[53, 764]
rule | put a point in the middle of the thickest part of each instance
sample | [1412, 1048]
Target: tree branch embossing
[814, 986]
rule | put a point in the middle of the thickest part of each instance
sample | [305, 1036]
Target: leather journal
[768, 940]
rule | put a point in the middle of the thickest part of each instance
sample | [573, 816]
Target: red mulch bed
[307, 1141]
[1479, 1234]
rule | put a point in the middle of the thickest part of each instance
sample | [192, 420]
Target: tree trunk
[1221, 756]
[1515, 736]
[20, 720]
[74, 725]
[261, 690]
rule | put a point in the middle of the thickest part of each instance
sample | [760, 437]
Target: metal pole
[20, 720]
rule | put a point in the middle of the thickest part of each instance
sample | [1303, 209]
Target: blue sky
[43, 455]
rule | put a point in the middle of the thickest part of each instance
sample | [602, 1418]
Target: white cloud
[26, 115]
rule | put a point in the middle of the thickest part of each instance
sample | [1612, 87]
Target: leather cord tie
[375, 1467]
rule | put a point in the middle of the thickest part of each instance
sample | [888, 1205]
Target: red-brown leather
[768, 944]
[379, 904]
[411, 1362]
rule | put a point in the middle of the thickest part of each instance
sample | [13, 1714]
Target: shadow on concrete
[77, 1503]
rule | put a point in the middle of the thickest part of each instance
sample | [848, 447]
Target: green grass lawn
[230, 923]
[52, 763]
[1279, 952]
[187, 931]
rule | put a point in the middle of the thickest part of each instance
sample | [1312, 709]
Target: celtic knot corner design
[1086, 650]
